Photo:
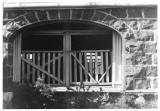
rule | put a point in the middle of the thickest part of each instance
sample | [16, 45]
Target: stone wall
[137, 25]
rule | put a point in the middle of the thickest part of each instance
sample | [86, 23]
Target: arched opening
[70, 53]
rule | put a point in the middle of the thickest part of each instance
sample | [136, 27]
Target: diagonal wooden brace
[104, 73]
[84, 68]
[42, 70]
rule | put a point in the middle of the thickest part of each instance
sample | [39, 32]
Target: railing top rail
[90, 51]
[39, 51]
[67, 51]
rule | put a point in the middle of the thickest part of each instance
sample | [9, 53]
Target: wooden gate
[45, 64]
[91, 67]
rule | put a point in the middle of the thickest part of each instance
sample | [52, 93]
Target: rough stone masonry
[137, 25]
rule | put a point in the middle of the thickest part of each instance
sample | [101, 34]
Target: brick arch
[95, 16]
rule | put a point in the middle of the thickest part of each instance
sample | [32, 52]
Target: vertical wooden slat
[59, 67]
[80, 69]
[38, 63]
[70, 64]
[86, 66]
[28, 71]
[33, 69]
[96, 66]
[90, 65]
[43, 64]
[102, 70]
[23, 69]
[53, 67]
[75, 70]
[49, 59]
[107, 73]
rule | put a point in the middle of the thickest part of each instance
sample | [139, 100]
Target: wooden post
[33, 69]
[75, 70]
[59, 68]
[48, 78]
[107, 61]
[17, 58]
[86, 67]
[67, 48]
[96, 66]
[113, 59]
[90, 66]
[116, 61]
[53, 67]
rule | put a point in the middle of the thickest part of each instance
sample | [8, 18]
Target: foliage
[44, 89]
[42, 96]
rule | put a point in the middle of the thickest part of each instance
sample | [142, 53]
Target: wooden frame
[67, 76]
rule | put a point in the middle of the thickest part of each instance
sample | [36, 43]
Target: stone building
[109, 48]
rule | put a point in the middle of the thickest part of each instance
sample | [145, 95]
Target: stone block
[119, 12]
[53, 14]
[129, 83]
[148, 24]
[129, 35]
[149, 97]
[21, 21]
[133, 23]
[155, 84]
[150, 12]
[144, 35]
[152, 71]
[122, 28]
[98, 16]
[131, 47]
[132, 70]
[31, 17]
[135, 12]
[87, 14]
[42, 15]
[64, 14]
[155, 59]
[151, 48]
[142, 73]
[14, 13]
[7, 34]
[139, 58]
[142, 84]
[12, 26]
[109, 20]
[76, 13]
[107, 10]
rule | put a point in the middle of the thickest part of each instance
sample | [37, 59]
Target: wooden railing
[90, 67]
[45, 64]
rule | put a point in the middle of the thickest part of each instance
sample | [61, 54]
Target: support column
[17, 58]
[66, 61]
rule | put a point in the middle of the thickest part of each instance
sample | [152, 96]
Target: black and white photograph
[80, 55]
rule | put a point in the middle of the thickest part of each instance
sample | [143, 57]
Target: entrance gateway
[67, 54]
